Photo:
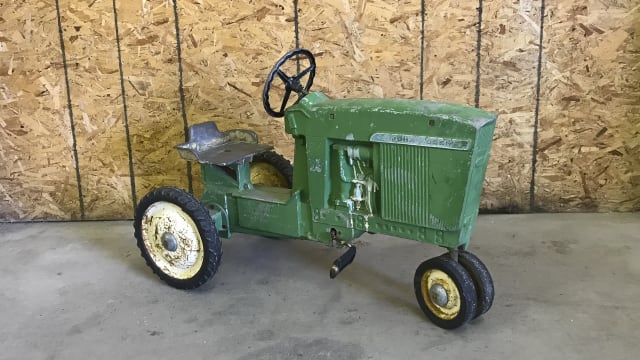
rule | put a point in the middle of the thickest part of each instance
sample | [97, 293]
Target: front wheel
[177, 237]
[445, 292]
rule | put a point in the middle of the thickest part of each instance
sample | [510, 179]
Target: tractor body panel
[407, 168]
[260, 210]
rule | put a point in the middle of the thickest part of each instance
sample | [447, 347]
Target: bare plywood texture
[450, 50]
[150, 67]
[364, 49]
[509, 60]
[37, 179]
[589, 149]
[94, 81]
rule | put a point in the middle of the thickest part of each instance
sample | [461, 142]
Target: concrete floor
[568, 287]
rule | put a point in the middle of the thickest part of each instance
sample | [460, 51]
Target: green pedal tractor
[407, 168]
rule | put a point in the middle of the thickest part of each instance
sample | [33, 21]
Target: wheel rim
[441, 294]
[263, 173]
[172, 240]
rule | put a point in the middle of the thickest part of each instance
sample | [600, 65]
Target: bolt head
[438, 295]
[169, 241]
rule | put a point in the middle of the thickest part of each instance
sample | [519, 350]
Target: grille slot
[404, 183]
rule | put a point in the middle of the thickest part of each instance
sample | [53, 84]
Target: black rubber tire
[212, 245]
[462, 280]
[277, 161]
[481, 279]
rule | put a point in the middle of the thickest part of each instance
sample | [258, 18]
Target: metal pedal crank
[345, 259]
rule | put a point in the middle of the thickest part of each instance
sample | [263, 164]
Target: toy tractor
[407, 168]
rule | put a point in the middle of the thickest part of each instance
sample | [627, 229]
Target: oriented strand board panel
[509, 60]
[150, 66]
[37, 179]
[364, 49]
[450, 50]
[94, 81]
[589, 149]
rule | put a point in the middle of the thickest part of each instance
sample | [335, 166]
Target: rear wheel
[177, 237]
[445, 292]
[271, 169]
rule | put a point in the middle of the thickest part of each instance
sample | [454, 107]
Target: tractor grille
[404, 183]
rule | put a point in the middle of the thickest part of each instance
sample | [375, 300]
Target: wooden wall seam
[536, 114]
[296, 31]
[296, 26]
[423, 19]
[476, 96]
[132, 177]
[183, 110]
[71, 119]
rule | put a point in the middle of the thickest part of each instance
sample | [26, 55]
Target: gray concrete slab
[568, 287]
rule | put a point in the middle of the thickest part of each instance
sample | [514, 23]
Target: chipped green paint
[408, 168]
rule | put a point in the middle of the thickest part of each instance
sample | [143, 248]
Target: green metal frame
[408, 168]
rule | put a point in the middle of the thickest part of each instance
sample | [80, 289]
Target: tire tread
[277, 161]
[481, 278]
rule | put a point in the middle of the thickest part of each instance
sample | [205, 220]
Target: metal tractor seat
[208, 145]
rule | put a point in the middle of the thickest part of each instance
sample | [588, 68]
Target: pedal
[343, 261]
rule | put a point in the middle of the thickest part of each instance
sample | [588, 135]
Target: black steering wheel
[291, 83]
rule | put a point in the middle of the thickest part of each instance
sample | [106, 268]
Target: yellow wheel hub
[263, 173]
[441, 294]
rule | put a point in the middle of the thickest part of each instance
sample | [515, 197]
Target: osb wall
[589, 144]
[94, 94]
[37, 179]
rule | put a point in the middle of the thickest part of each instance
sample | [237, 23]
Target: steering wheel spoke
[304, 72]
[285, 100]
[283, 77]
[292, 83]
